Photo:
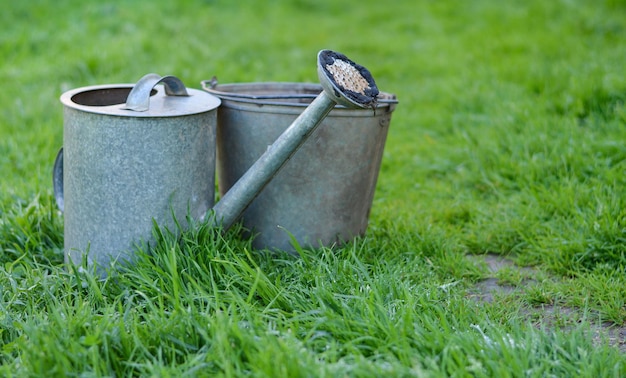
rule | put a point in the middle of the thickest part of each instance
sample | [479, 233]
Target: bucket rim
[237, 92]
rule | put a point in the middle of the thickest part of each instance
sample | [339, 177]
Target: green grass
[509, 139]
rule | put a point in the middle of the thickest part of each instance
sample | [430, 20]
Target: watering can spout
[344, 82]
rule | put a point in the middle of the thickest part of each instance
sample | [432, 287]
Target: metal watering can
[127, 164]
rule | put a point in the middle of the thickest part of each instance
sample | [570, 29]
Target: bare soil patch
[545, 316]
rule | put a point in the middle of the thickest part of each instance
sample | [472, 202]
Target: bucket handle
[139, 97]
[211, 87]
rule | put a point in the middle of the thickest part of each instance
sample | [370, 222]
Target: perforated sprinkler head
[346, 82]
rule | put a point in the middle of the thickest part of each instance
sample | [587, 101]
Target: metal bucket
[120, 170]
[324, 193]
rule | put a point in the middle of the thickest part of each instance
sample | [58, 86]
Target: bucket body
[123, 171]
[324, 193]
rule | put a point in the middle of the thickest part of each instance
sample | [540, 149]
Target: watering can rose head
[354, 80]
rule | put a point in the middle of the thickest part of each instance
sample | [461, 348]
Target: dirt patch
[508, 279]
[493, 286]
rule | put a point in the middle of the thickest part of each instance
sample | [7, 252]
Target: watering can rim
[161, 104]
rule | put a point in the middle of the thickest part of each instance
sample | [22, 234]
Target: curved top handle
[139, 97]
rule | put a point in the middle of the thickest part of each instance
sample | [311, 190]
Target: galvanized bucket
[324, 193]
[131, 158]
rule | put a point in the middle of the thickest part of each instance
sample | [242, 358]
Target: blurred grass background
[509, 137]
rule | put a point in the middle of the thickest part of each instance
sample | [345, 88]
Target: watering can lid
[144, 99]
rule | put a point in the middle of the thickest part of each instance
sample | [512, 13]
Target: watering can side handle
[57, 180]
[139, 97]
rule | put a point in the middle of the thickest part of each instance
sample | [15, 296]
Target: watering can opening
[104, 97]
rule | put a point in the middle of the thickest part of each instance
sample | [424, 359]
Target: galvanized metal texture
[339, 86]
[323, 194]
[242, 193]
[123, 169]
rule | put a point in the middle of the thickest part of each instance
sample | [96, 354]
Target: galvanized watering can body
[324, 193]
[124, 169]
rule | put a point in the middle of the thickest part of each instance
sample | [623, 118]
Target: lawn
[497, 237]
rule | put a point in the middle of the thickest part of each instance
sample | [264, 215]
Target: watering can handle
[57, 180]
[139, 97]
